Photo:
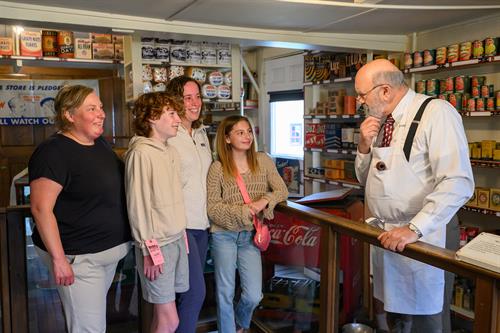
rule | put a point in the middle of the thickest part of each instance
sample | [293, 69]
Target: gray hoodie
[154, 192]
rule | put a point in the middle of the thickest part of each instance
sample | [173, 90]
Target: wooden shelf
[183, 64]
[338, 182]
[467, 314]
[70, 60]
[485, 164]
[454, 65]
[480, 113]
[484, 211]
[337, 118]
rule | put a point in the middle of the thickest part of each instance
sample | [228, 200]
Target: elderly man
[413, 158]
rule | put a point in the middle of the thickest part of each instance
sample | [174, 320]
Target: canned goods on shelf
[441, 55]
[417, 59]
[479, 104]
[465, 51]
[474, 91]
[497, 98]
[444, 97]
[477, 49]
[490, 46]
[429, 57]
[471, 104]
[452, 53]
[490, 104]
[477, 81]
[450, 85]
[460, 83]
[455, 99]
[485, 91]
[408, 60]
[431, 87]
[420, 86]
[442, 87]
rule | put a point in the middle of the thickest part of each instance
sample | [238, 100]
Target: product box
[309, 71]
[333, 136]
[101, 38]
[473, 200]
[30, 43]
[118, 39]
[483, 198]
[350, 170]
[118, 51]
[83, 48]
[6, 46]
[103, 51]
[495, 199]
[315, 135]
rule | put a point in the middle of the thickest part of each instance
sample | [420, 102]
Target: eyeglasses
[364, 95]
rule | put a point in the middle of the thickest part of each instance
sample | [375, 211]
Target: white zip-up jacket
[196, 158]
[154, 192]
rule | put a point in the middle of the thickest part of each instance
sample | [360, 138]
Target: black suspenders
[413, 128]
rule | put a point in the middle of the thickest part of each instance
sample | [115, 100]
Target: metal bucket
[357, 328]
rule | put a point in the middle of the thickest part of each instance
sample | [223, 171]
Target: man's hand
[397, 238]
[63, 273]
[151, 271]
[368, 131]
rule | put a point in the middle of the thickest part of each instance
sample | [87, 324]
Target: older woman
[194, 149]
[78, 203]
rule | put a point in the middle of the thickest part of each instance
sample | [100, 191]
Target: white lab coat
[427, 191]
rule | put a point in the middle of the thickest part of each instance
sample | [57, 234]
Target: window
[287, 124]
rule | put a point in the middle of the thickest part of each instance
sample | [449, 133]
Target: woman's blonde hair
[69, 98]
[223, 148]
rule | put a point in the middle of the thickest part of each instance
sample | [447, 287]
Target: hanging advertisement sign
[31, 102]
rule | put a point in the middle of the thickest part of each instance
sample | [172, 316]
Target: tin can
[444, 97]
[452, 53]
[463, 236]
[497, 97]
[460, 83]
[479, 104]
[465, 51]
[490, 46]
[420, 87]
[474, 92]
[455, 99]
[429, 57]
[490, 104]
[477, 49]
[408, 60]
[49, 43]
[417, 59]
[450, 86]
[442, 86]
[477, 81]
[491, 90]
[471, 104]
[431, 87]
[66, 44]
[485, 91]
[441, 55]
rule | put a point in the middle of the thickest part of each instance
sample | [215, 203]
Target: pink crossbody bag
[262, 236]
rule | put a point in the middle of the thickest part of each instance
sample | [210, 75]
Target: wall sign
[31, 102]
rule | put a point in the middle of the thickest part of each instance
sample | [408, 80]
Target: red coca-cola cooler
[295, 242]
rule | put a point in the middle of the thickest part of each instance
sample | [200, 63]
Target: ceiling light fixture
[398, 7]
[123, 31]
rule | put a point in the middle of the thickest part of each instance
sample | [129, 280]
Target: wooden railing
[487, 294]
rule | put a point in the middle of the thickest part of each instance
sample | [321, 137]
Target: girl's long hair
[224, 149]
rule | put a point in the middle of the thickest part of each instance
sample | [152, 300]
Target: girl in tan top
[232, 223]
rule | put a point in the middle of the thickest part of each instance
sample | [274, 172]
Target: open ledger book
[483, 251]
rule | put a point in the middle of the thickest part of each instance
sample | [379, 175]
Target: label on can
[474, 91]
[408, 60]
[420, 88]
[477, 49]
[443, 97]
[477, 81]
[431, 87]
[459, 83]
[442, 87]
[441, 55]
[465, 51]
[452, 53]
[429, 57]
[450, 87]
[417, 59]
[456, 100]
[485, 91]
[479, 104]
[490, 104]
[471, 104]
[490, 47]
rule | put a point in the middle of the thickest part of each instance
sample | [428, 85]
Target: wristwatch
[416, 230]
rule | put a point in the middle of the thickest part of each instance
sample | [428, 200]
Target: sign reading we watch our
[31, 102]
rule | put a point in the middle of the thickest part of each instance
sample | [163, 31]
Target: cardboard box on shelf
[495, 199]
[483, 198]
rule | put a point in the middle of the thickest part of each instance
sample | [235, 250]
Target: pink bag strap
[244, 194]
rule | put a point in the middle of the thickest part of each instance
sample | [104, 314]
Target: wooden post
[485, 305]
[4, 274]
[330, 274]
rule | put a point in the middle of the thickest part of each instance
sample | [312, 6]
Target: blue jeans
[189, 303]
[230, 251]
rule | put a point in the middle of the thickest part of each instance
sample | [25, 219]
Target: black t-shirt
[91, 208]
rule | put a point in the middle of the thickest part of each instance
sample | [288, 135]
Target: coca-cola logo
[295, 235]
